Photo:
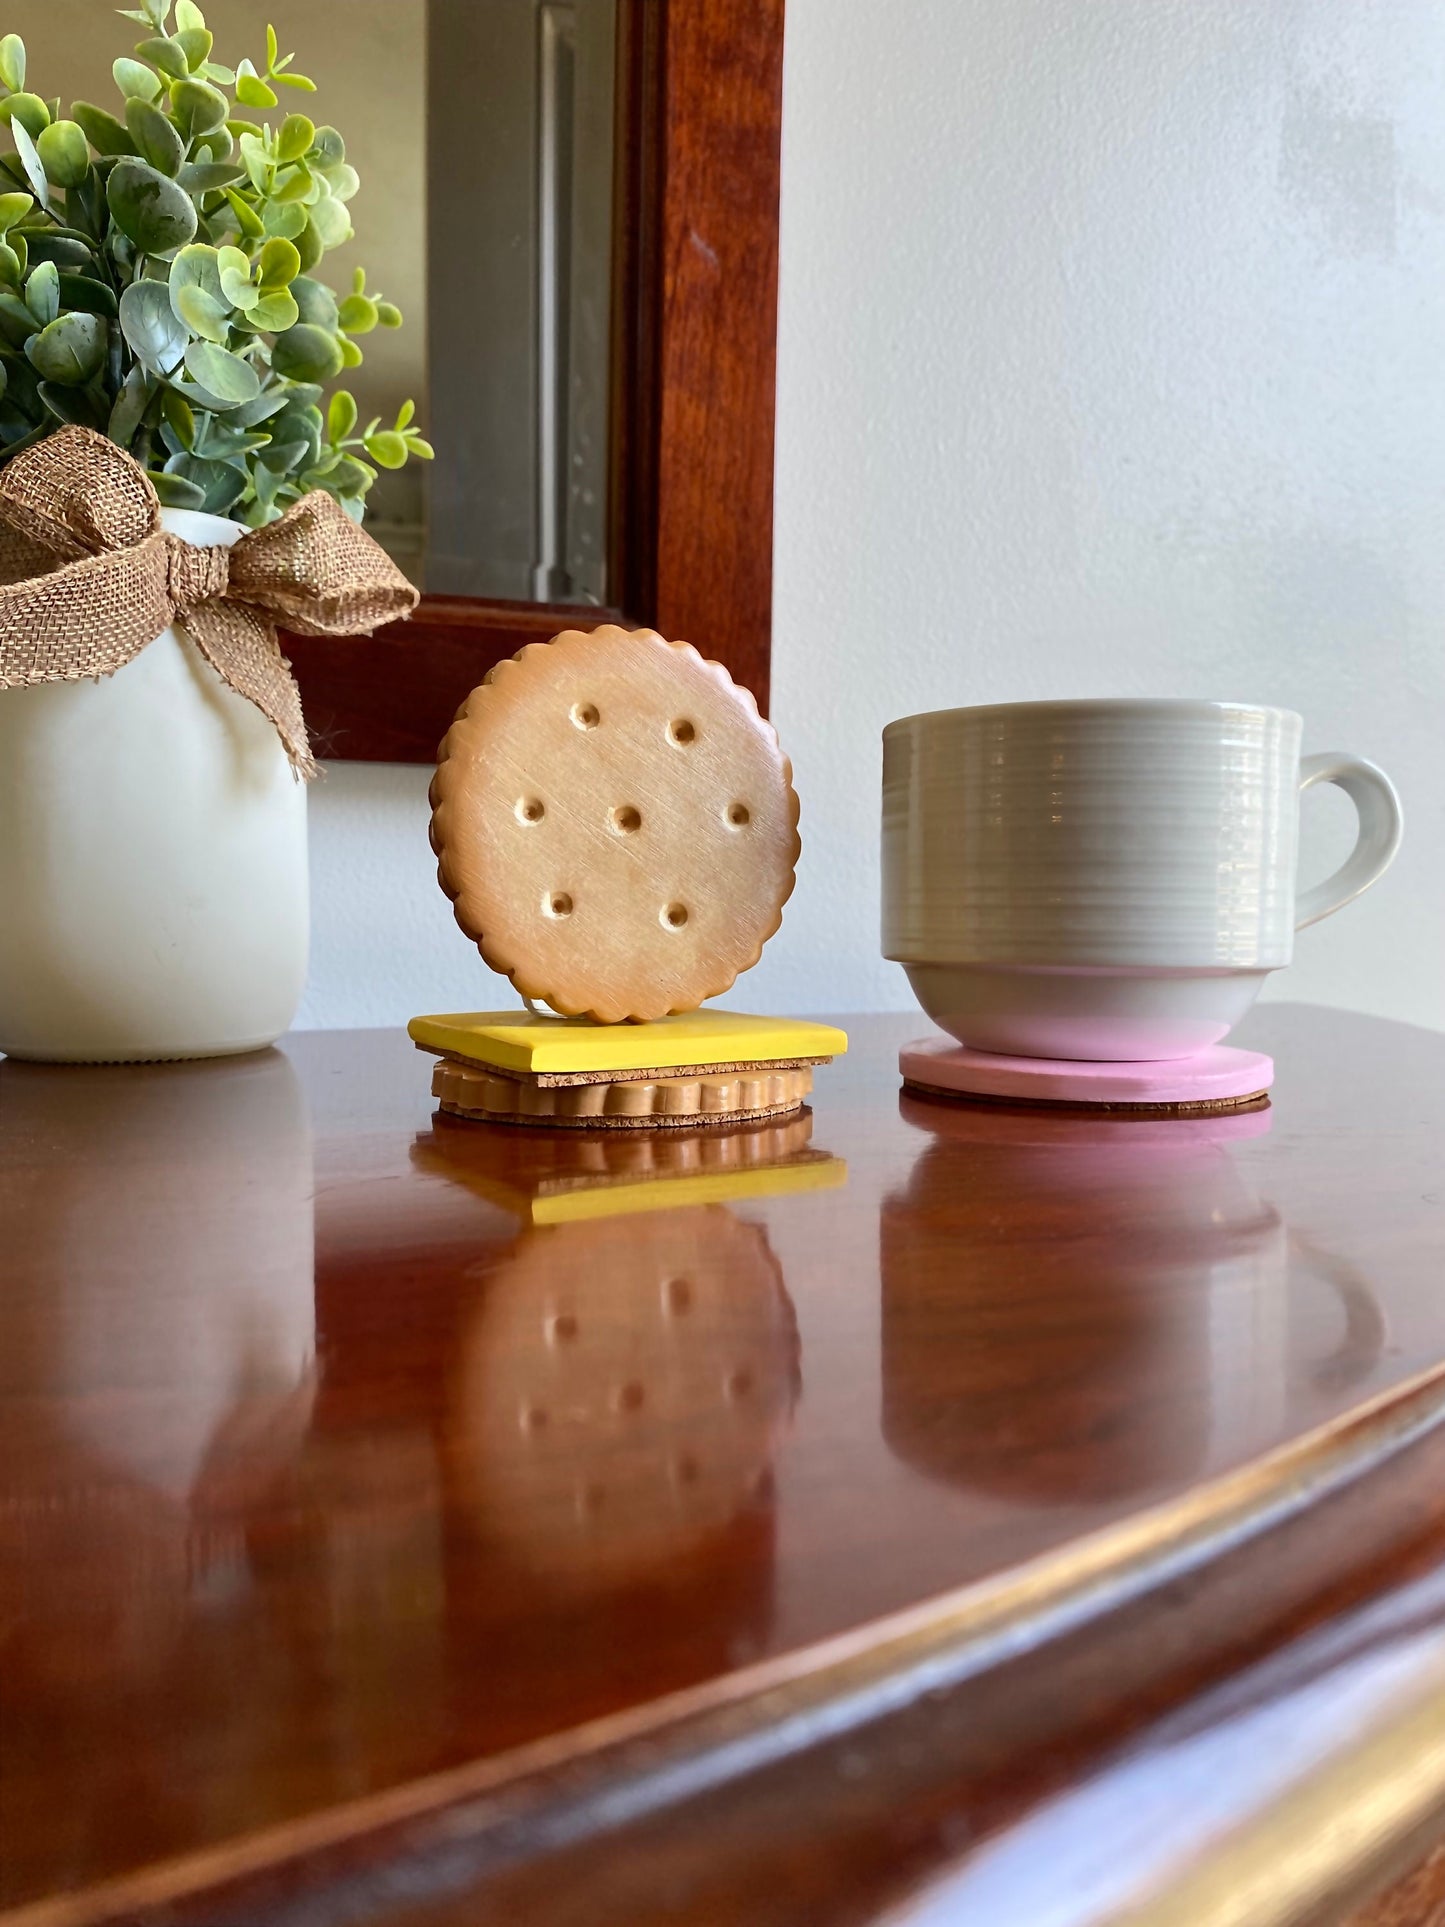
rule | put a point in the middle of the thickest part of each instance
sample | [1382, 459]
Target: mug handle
[1381, 824]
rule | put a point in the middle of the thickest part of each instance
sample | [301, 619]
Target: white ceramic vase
[153, 879]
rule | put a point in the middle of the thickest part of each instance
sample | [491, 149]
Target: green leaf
[358, 315]
[351, 355]
[42, 292]
[423, 450]
[177, 411]
[253, 92]
[156, 334]
[86, 295]
[405, 413]
[64, 154]
[157, 139]
[130, 405]
[268, 403]
[298, 81]
[203, 314]
[30, 159]
[204, 177]
[176, 492]
[296, 183]
[234, 273]
[352, 475]
[29, 110]
[295, 137]
[135, 80]
[148, 207]
[284, 222]
[256, 161]
[247, 218]
[189, 16]
[223, 375]
[12, 62]
[13, 207]
[309, 246]
[195, 43]
[340, 416]
[219, 74]
[168, 55]
[69, 350]
[199, 108]
[104, 132]
[388, 314]
[330, 220]
[316, 302]
[46, 244]
[221, 484]
[278, 264]
[71, 404]
[273, 313]
[343, 180]
[12, 268]
[17, 323]
[306, 353]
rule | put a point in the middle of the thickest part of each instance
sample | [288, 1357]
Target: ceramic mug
[1106, 880]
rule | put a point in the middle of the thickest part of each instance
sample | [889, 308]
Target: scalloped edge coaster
[1223, 1078]
[669, 1103]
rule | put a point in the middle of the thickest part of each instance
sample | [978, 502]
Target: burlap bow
[90, 578]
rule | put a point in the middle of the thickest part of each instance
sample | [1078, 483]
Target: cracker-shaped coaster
[615, 824]
[464, 1090]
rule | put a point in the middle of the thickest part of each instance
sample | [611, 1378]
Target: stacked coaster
[695, 1069]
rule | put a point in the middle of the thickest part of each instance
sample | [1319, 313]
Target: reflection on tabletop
[1074, 1305]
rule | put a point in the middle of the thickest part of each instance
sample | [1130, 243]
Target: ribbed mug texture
[1134, 834]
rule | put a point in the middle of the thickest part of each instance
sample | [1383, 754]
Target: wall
[1112, 360]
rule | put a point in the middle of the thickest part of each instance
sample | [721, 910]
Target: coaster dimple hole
[626, 819]
[531, 809]
[739, 815]
[631, 1397]
[564, 1327]
[559, 904]
[682, 732]
[674, 916]
[585, 716]
[679, 1295]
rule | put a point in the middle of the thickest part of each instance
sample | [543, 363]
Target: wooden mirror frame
[695, 325]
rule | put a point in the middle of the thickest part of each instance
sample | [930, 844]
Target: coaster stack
[697, 1069]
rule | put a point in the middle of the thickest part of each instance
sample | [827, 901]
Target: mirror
[482, 132]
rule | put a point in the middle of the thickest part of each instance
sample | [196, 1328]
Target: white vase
[153, 881]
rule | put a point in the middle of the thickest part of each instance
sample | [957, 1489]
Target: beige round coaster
[464, 1090]
[615, 824]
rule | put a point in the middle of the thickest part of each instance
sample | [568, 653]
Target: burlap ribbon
[90, 577]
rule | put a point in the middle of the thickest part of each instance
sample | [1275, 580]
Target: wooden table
[908, 1511]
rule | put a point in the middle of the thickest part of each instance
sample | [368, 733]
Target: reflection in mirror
[482, 132]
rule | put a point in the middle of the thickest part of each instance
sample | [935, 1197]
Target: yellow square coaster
[516, 1041]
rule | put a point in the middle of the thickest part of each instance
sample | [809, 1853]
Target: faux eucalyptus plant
[157, 278]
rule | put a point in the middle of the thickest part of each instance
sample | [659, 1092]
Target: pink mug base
[1222, 1075]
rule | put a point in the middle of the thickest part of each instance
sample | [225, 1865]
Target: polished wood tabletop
[908, 1510]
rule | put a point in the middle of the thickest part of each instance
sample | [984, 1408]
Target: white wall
[1111, 360]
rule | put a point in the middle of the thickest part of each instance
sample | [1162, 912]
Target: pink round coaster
[1221, 1075]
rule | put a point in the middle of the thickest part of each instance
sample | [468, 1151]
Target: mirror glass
[482, 132]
